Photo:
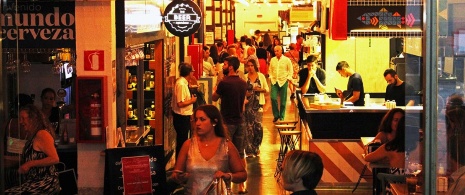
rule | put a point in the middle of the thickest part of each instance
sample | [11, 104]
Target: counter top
[355, 109]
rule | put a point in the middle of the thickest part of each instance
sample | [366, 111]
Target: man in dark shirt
[232, 91]
[398, 89]
[312, 79]
[354, 86]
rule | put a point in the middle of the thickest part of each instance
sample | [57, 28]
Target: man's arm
[215, 96]
[355, 97]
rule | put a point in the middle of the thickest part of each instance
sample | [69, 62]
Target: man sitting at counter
[313, 78]
[354, 86]
[397, 89]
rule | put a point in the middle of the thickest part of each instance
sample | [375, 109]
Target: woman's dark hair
[47, 90]
[255, 66]
[248, 41]
[214, 53]
[385, 125]
[214, 114]
[267, 40]
[398, 143]
[185, 69]
[37, 119]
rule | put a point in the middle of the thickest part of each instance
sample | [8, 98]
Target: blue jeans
[278, 112]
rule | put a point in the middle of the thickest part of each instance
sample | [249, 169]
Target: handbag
[220, 186]
[14, 145]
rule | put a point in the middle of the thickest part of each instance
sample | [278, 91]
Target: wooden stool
[289, 141]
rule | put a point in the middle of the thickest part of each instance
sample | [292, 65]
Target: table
[366, 140]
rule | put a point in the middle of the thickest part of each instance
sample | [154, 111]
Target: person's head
[396, 141]
[299, 39]
[220, 46]
[342, 68]
[251, 50]
[248, 41]
[232, 49]
[390, 121]
[301, 169]
[391, 76]
[243, 38]
[278, 51]
[312, 62]
[455, 114]
[251, 66]
[206, 51]
[231, 64]
[48, 97]
[276, 41]
[207, 119]
[185, 69]
[214, 52]
[32, 119]
[292, 46]
[257, 33]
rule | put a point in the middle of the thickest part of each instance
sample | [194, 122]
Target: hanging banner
[385, 18]
[182, 18]
[38, 24]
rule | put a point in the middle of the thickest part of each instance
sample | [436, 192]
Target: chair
[362, 175]
[67, 179]
[387, 178]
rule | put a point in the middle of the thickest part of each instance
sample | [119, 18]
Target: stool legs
[288, 142]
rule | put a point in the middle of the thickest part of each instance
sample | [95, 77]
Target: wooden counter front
[349, 122]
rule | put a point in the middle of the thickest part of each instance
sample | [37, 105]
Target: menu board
[114, 169]
[137, 175]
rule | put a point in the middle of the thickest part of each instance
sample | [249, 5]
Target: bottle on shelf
[64, 135]
[152, 110]
[442, 181]
[147, 52]
[129, 82]
[130, 110]
[95, 116]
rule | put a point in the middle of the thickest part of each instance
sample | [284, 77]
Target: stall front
[336, 133]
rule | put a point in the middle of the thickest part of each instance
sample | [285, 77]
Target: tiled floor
[261, 169]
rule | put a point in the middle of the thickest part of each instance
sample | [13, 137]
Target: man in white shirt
[182, 105]
[280, 73]
[208, 64]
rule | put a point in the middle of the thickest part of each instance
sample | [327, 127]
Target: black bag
[371, 147]
[67, 179]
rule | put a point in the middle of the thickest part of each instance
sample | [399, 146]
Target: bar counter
[351, 122]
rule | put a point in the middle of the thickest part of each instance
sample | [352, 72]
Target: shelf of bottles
[140, 92]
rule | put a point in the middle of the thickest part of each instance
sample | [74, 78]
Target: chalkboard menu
[113, 168]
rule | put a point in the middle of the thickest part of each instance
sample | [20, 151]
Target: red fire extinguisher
[95, 115]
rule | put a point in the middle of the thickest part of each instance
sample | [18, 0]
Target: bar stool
[290, 138]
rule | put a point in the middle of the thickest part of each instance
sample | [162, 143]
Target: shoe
[292, 95]
[275, 119]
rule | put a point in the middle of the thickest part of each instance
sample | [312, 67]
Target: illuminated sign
[182, 18]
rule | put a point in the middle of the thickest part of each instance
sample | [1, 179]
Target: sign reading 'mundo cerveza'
[38, 24]
[182, 18]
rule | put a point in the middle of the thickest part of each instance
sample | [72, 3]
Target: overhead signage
[142, 17]
[385, 18]
[182, 18]
[38, 24]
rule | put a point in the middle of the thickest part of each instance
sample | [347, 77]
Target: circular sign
[61, 93]
[182, 18]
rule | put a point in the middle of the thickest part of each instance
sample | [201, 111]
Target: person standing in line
[232, 91]
[293, 55]
[299, 46]
[257, 87]
[182, 105]
[271, 47]
[214, 54]
[208, 156]
[280, 71]
[398, 89]
[313, 78]
[251, 56]
[208, 64]
[302, 171]
[354, 86]
[49, 108]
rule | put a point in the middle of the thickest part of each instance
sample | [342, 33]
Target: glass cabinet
[141, 96]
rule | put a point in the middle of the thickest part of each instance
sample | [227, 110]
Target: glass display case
[141, 95]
